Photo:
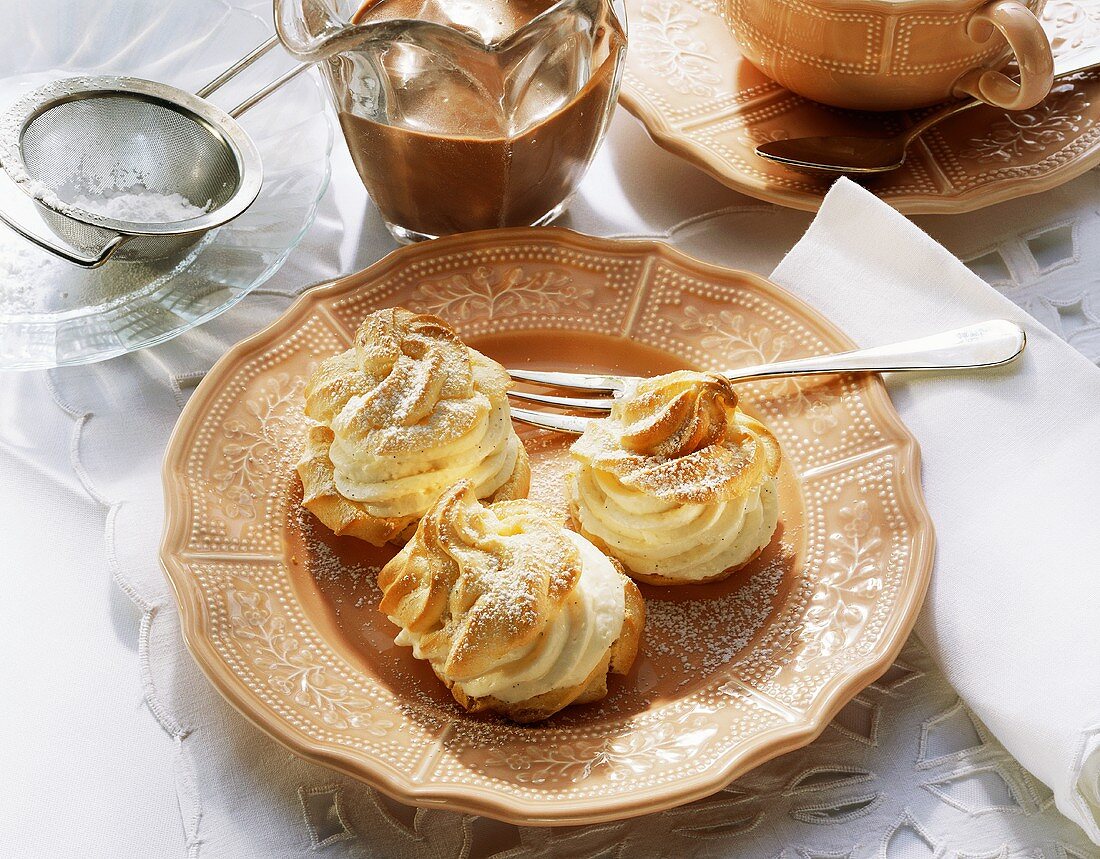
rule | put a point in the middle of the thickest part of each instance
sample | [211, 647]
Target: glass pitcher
[465, 114]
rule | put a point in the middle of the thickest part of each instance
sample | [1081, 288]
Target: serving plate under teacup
[699, 98]
[282, 616]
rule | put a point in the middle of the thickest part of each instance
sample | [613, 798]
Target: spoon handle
[1071, 63]
[986, 344]
[938, 116]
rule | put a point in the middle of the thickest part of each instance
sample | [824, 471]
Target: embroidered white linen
[121, 747]
[1011, 464]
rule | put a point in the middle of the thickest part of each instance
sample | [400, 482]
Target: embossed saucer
[699, 98]
[282, 615]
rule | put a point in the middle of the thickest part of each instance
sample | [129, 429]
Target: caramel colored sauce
[693, 633]
[451, 162]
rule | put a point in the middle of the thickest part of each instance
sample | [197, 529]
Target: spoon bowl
[856, 156]
[867, 156]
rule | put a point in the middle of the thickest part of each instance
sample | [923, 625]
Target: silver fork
[986, 344]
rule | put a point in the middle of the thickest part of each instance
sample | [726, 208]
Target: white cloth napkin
[1011, 468]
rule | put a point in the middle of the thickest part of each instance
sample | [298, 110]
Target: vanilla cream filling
[570, 648]
[687, 542]
[392, 485]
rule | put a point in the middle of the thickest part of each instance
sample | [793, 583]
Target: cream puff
[678, 483]
[514, 613]
[400, 417]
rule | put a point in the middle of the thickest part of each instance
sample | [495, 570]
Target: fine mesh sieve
[97, 136]
[106, 142]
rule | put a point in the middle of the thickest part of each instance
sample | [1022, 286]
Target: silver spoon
[869, 155]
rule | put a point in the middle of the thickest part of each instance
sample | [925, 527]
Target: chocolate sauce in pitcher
[472, 139]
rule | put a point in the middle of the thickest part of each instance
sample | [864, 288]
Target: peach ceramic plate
[699, 98]
[281, 615]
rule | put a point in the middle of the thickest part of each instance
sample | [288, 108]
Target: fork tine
[578, 381]
[550, 421]
[597, 405]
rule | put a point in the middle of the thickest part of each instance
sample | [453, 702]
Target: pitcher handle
[1025, 35]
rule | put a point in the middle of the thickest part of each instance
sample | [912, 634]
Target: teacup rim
[894, 5]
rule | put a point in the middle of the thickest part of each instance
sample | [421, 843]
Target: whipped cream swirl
[678, 483]
[503, 602]
[412, 409]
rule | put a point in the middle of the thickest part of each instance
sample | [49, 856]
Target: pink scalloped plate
[282, 615]
[699, 98]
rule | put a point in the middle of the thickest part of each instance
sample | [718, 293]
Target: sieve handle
[12, 200]
[242, 64]
[237, 67]
[260, 95]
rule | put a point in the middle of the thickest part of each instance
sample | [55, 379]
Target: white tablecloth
[111, 743]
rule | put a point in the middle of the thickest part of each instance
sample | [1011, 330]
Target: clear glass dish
[53, 313]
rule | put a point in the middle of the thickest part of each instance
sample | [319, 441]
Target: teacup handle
[1029, 43]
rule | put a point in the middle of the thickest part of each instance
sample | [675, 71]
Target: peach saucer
[281, 615]
[699, 98]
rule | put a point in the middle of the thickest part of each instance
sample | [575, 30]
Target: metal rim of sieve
[156, 239]
[217, 122]
[20, 191]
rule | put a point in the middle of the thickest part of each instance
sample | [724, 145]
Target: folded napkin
[1011, 469]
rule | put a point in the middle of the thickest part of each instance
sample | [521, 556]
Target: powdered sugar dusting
[326, 565]
[693, 635]
[550, 463]
[701, 636]
[140, 205]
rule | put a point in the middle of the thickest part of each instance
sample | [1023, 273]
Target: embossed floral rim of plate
[699, 98]
[282, 616]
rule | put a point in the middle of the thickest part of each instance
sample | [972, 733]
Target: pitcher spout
[314, 30]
